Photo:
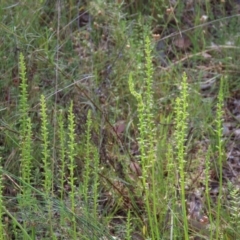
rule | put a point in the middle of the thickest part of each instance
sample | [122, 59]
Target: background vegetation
[119, 119]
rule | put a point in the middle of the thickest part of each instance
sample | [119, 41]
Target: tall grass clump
[153, 185]
[181, 122]
[147, 142]
[220, 150]
[170, 199]
[207, 190]
[46, 159]
[90, 185]
[47, 162]
[26, 147]
[72, 166]
[62, 154]
[25, 128]
[95, 184]
[23, 102]
[86, 174]
[88, 190]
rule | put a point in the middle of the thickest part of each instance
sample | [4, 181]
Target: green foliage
[83, 170]
[26, 155]
[234, 208]
[220, 148]
[23, 103]
[25, 127]
[25, 124]
[26, 147]
[47, 165]
[72, 165]
[95, 184]
[128, 226]
[208, 197]
[88, 148]
[181, 122]
[62, 140]
[147, 141]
